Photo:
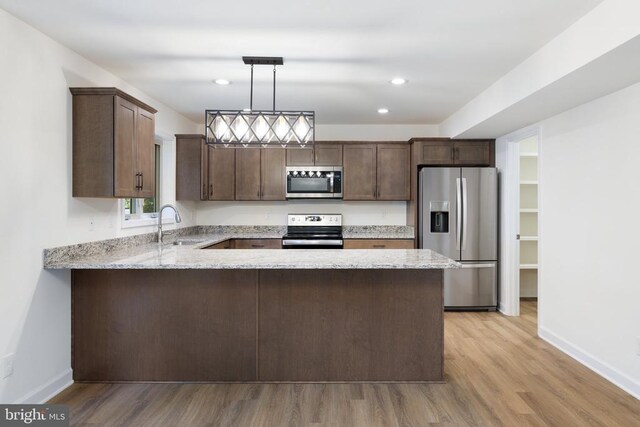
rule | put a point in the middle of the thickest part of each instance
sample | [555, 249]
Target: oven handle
[299, 242]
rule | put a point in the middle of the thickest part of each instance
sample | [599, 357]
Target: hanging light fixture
[250, 128]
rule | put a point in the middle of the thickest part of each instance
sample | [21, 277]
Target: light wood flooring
[497, 373]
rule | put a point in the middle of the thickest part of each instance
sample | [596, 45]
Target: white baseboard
[601, 368]
[48, 390]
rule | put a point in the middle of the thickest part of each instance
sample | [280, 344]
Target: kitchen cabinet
[446, 152]
[392, 165]
[257, 244]
[248, 244]
[474, 152]
[192, 170]
[272, 174]
[320, 155]
[378, 244]
[300, 157]
[376, 172]
[247, 174]
[359, 173]
[222, 173]
[328, 154]
[113, 144]
[260, 174]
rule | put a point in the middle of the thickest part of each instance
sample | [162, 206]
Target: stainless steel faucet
[177, 218]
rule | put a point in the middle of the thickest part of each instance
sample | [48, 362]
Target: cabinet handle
[138, 186]
[204, 191]
[257, 246]
[141, 181]
[210, 190]
[379, 246]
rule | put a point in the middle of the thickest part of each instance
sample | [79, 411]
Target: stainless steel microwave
[314, 182]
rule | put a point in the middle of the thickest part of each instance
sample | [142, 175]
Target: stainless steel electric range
[312, 231]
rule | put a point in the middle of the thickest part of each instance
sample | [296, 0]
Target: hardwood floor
[497, 373]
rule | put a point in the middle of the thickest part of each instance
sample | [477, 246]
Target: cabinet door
[204, 171]
[248, 174]
[257, 244]
[393, 172]
[126, 178]
[222, 173]
[273, 161]
[300, 156]
[328, 155]
[472, 153]
[190, 150]
[146, 153]
[359, 175]
[378, 244]
[437, 153]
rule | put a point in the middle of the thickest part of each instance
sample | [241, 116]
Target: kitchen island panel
[350, 325]
[164, 325]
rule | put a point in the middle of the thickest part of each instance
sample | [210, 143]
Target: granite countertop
[139, 252]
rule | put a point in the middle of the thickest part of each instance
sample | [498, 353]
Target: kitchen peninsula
[150, 312]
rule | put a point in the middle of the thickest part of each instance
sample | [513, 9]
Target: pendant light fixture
[251, 128]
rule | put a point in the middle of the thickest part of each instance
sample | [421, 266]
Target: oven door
[307, 187]
[297, 243]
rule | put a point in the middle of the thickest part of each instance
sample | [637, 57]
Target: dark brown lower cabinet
[164, 325]
[257, 325]
[378, 244]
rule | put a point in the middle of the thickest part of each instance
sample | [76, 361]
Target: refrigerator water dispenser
[439, 217]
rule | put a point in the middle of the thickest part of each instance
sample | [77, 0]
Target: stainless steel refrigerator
[459, 218]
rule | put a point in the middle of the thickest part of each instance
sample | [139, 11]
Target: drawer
[257, 244]
[378, 244]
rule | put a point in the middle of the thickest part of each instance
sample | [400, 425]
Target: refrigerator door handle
[464, 213]
[458, 214]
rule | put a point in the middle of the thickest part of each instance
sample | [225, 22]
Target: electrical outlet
[6, 366]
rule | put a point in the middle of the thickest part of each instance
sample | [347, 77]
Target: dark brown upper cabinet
[113, 144]
[393, 178]
[260, 173]
[300, 156]
[376, 172]
[247, 174]
[359, 174]
[222, 173]
[474, 152]
[328, 154]
[446, 152]
[320, 155]
[272, 174]
[192, 159]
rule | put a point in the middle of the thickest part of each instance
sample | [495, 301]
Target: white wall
[37, 208]
[374, 132]
[275, 213]
[589, 229]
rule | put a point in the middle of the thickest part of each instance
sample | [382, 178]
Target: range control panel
[314, 219]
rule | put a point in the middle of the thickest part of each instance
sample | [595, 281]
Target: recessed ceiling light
[222, 82]
[398, 81]
[383, 110]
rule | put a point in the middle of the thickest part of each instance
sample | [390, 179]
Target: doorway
[518, 162]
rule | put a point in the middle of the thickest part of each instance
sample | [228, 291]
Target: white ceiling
[339, 55]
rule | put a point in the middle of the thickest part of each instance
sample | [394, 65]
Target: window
[140, 211]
